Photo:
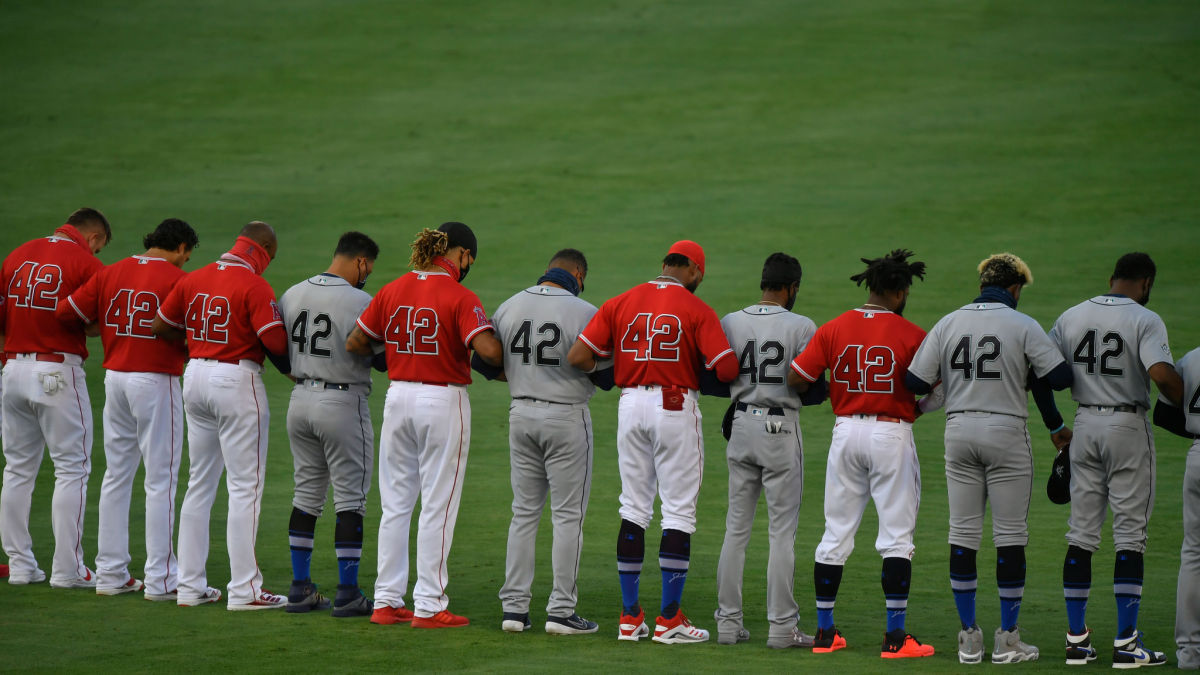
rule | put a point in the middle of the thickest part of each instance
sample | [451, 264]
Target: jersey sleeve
[83, 304]
[172, 309]
[471, 318]
[598, 335]
[710, 338]
[263, 310]
[927, 362]
[372, 319]
[1152, 343]
[813, 361]
[1057, 338]
[806, 332]
[1043, 354]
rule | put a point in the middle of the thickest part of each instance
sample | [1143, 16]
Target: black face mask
[462, 273]
[362, 280]
[791, 300]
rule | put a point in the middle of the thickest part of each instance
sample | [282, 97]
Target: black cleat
[516, 623]
[1130, 652]
[303, 597]
[350, 602]
[570, 625]
[828, 640]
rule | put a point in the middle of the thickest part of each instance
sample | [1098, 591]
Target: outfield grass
[1066, 132]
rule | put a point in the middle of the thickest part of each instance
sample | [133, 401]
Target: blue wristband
[1060, 428]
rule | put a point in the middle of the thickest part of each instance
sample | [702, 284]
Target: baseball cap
[691, 250]
[458, 234]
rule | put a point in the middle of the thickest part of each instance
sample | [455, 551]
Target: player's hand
[1061, 439]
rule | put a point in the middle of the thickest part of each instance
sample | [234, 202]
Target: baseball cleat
[797, 638]
[350, 602]
[742, 635]
[828, 640]
[88, 580]
[443, 619]
[633, 628]
[266, 600]
[900, 645]
[172, 596]
[1079, 649]
[970, 645]
[570, 625]
[210, 595]
[1010, 649]
[516, 623]
[1131, 653]
[303, 597]
[677, 630]
[36, 577]
[128, 587]
[386, 616]
[3, 571]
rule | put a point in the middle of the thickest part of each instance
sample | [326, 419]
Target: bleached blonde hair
[1004, 270]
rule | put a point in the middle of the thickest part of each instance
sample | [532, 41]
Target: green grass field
[1066, 132]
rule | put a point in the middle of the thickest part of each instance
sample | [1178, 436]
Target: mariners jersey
[657, 333]
[982, 353]
[319, 314]
[427, 321]
[223, 307]
[36, 276]
[123, 299]
[1189, 370]
[537, 328]
[867, 353]
[1111, 342]
[766, 338]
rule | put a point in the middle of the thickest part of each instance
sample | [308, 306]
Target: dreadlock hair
[892, 272]
[429, 245]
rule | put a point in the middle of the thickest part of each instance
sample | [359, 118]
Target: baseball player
[765, 452]
[549, 436]
[143, 406]
[872, 455]
[45, 397]
[983, 353]
[428, 322]
[1115, 347]
[228, 313]
[329, 423]
[660, 336]
[1185, 422]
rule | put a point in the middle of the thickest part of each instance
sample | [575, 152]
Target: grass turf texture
[1065, 132]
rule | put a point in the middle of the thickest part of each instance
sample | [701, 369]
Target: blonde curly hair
[1004, 270]
[429, 245]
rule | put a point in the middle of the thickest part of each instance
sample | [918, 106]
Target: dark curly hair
[169, 234]
[892, 272]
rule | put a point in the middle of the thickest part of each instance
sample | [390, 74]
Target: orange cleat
[442, 619]
[900, 645]
[828, 640]
[386, 616]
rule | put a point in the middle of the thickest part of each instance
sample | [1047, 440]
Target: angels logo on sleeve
[481, 317]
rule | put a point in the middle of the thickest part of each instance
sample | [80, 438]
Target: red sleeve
[598, 334]
[82, 305]
[813, 360]
[172, 309]
[371, 320]
[714, 345]
[471, 318]
[3, 314]
[264, 313]
[275, 339]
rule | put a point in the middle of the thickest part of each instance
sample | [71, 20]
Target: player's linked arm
[1170, 384]
[581, 356]
[488, 348]
[797, 381]
[358, 343]
[164, 330]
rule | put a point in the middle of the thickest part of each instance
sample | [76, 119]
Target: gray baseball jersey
[982, 352]
[766, 338]
[1111, 342]
[1187, 598]
[1189, 369]
[319, 314]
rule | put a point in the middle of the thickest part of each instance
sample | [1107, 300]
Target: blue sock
[897, 572]
[1010, 579]
[674, 555]
[1077, 585]
[348, 539]
[1127, 586]
[964, 580]
[631, 549]
[301, 531]
[827, 579]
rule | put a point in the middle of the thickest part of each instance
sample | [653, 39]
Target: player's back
[1189, 369]
[765, 338]
[37, 276]
[982, 353]
[319, 315]
[1111, 342]
[225, 307]
[537, 327]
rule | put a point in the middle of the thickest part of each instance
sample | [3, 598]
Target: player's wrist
[1060, 428]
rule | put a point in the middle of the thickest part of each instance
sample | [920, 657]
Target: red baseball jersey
[38, 276]
[657, 333]
[123, 298]
[427, 321]
[223, 307]
[868, 352]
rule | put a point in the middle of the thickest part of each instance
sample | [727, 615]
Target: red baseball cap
[691, 250]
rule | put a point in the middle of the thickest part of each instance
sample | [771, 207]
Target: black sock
[1010, 580]
[674, 556]
[1127, 586]
[302, 530]
[1077, 584]
[964, 580]
[347, 542]
[897, 572]
[631, 549]
[826, 579]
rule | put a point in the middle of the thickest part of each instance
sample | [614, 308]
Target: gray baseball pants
[1187, 599]
[332, 442]
[1112, 466]
[771, 460]
[988, 458]
[551, 452]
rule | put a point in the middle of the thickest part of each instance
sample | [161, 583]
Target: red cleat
[828, 640]
[633, 628]
[442, 619]
[386, 616]
[899, 645]
[3, 571]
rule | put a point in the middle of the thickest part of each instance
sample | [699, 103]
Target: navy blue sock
[1077, 585]
[827, 579]
[1010, 579]
[631, 549]
[674, 555]
[1127, 586]
[347, 542]
[897, 572]
[302, 530]
[964, 579]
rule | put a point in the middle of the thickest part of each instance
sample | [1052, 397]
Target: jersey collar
[759, 310]
[1113, 299]
[149, 257]
[873, 311]
[665, 283]
[548, 290]
[327, 279]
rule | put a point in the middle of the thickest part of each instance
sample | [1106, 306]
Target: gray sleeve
[1056, 337]
[1152, 343]
[927, 363]
[1043, 355]
[807, 330]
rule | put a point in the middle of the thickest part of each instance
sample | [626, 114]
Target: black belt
[742, 407]
[1116, 408]
[538, 400]
[328, 385]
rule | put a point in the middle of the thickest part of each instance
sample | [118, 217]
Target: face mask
[462, 273]
[362, 280]
[791, 301]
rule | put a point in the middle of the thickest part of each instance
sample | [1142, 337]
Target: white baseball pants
[228, 424]
[143, 422]
[659, 452]
[35, 420]
[423, 451]
[869, 459]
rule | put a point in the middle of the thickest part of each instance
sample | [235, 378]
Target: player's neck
[878, 302]
[777, 298]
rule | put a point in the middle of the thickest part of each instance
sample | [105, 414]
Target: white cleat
[265, 601]
[210, 595]
[130, 586]
[678, 631]
[173, 596]
[633, 628]
[1132, 653]
[36, 577]
[88, 580]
